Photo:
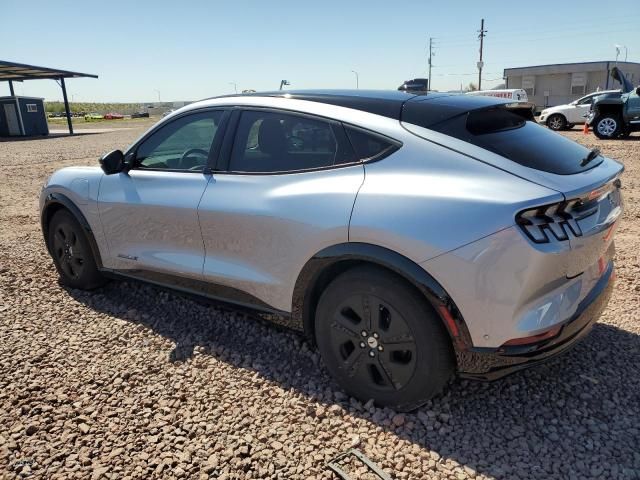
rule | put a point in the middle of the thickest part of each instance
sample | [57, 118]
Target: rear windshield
[518, 139]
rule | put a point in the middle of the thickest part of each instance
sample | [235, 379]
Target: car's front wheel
[557, 122]
[607, 126]
[72, 253]
[381, 340]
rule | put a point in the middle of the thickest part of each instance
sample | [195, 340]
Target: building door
[11, 115]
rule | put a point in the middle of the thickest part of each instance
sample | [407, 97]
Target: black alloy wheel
[71, 252]
[382, 340]
[374, 342]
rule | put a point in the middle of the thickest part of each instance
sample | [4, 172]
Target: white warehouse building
[558, 84]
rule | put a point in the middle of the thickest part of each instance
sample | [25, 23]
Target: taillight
[556, 221]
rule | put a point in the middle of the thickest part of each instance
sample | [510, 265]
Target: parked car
[415, 85]
[140, 115]
[410, 237]
[515, 94]
[93, 116]
[113, 116]
[613, 117]
[562, 117]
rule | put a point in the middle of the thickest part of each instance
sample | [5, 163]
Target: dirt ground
[133, 382]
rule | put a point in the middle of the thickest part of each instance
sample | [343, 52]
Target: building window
[578, 83]
[529, 84]
[32, 107]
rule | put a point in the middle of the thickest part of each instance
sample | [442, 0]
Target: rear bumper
[493, 363]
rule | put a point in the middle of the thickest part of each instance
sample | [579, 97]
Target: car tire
[626, 132]
[72, 254]
[382, 340]
[607, 126]
[557, 122]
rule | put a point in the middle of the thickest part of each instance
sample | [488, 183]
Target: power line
[585, 25]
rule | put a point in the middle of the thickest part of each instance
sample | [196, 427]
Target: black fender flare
[331, 261]
[55, 201]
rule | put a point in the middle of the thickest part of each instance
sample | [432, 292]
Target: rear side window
[267, 142]
[523, 141]
[367, 145]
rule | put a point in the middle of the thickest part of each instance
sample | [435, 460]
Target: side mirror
[112, 162]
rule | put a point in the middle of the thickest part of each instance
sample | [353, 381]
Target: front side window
[183, 144]
[279, 142]
[585, 101]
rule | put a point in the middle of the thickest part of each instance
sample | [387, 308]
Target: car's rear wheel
[381, 340]
[71, 252]
[557, 122]
[607, 126]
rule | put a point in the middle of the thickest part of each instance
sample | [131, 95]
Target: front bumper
[492, 364]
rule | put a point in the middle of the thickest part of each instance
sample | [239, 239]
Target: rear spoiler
[524, 109]
[427, 112]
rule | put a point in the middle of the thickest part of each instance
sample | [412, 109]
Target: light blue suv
[409, 236]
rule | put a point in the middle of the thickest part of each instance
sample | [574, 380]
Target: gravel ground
[134, 382]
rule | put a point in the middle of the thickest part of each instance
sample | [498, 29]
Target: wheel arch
[330, 262]
[610, 109]
[557, 114]
[58, 201]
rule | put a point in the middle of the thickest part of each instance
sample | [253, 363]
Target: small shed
[22, 116]
[19, 72]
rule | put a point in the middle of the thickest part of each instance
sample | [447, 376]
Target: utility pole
[430, 56]
[480, 63]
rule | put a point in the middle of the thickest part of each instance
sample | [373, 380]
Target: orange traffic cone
[585, 129]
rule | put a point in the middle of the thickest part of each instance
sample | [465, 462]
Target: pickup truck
[616, 117]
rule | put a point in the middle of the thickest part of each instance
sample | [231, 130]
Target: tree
[472, 87]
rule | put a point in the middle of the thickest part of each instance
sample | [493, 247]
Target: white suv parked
[562, 117]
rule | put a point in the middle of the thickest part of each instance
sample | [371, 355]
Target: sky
[188, 50]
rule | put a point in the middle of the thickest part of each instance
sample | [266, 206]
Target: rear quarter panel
[425, 200]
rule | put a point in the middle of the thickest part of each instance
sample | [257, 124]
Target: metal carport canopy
[18, 72]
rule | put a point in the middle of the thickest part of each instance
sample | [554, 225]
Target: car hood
[617, 74]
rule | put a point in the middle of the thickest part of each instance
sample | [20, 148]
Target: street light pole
[158, 91]
[357, 79]
[235, 86]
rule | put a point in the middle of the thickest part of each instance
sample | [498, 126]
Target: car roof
[601, 92]
[388, 103]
